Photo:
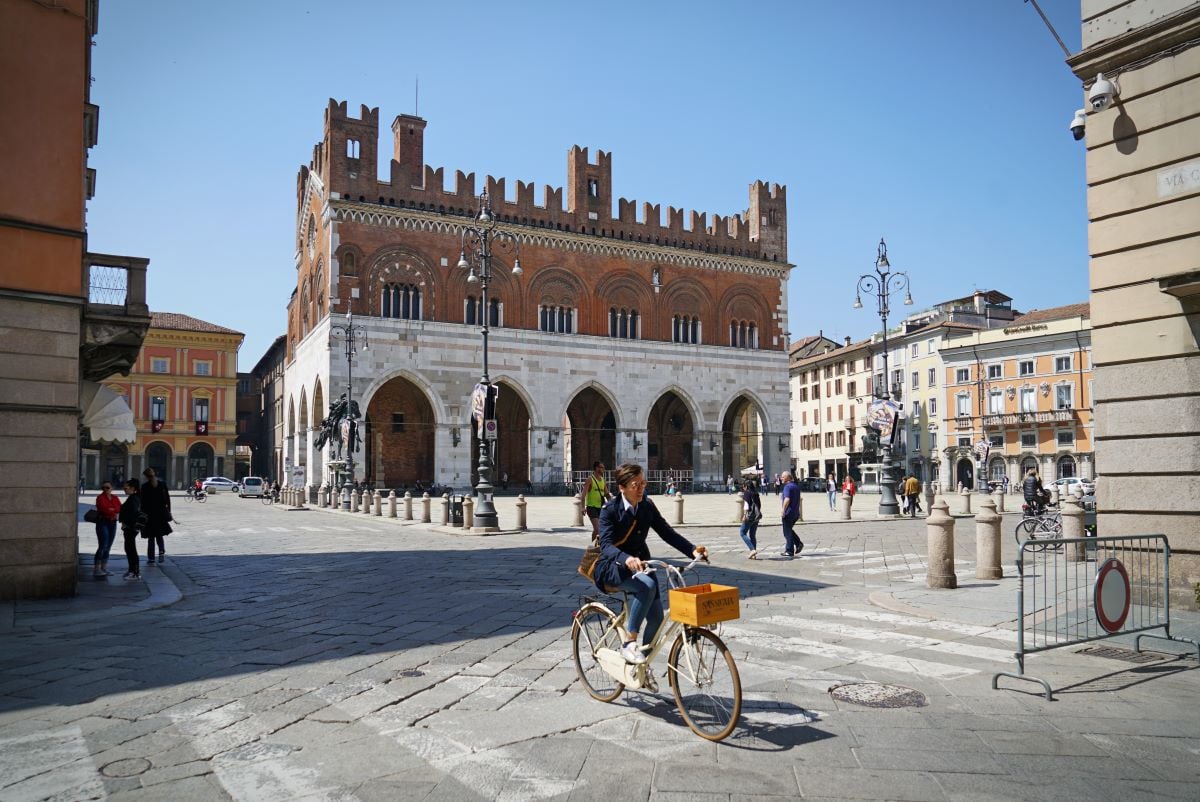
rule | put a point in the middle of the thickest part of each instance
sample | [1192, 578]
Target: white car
[252, 486]
[219, 483]
[1069, 483]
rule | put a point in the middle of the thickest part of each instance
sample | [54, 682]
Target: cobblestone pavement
[314, 655]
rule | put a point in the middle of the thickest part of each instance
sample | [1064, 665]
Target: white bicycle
[700, 668]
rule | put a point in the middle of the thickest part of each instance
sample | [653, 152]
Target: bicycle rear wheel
[593, 629]
[1027, 529]
[203, 497]
[705, 681]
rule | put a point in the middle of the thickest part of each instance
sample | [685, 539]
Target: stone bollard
[578, 502]
[408, 505]
[392, 504]
[1053, 494]
[999, 496]
[1072, 526]
[799, 507]
[468, 512]
[939, 535]
[445, 509]
[847, 501]
[966, 501]
[425, 501]
[366, 502]
[679, 508]
[930, 493]
[379, 503]
[301, 496]
[323, 496]
[521, 512]
[353, 501]
[739, 509]
[987, 541]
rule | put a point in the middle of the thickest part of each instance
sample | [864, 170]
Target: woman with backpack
[751, 515]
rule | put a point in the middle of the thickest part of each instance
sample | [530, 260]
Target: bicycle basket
[701, 605]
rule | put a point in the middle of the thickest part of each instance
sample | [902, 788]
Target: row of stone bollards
[367, 502]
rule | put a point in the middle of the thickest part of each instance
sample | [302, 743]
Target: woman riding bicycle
[625, 521]
[1035, 495]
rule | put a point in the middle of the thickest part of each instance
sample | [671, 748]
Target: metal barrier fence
[1075, 590]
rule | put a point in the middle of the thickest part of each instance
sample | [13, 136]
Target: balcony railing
[1014, 419]
[116, 317]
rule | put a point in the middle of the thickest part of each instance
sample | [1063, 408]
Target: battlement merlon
[760, 231]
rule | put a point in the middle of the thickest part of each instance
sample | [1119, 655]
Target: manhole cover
[1117, 653]
[877, 694]
[412, 672]
[130, 767]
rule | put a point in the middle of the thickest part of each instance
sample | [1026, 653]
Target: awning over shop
[105, 416]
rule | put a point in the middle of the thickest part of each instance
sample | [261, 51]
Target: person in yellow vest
[595, 495]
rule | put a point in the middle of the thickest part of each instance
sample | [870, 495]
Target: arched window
[470, 315]
[312, 234]
[623, 323]
[352, 148]
[556, 319]
[743, 334]
[685, 329]
[348, 262]
[401, 301]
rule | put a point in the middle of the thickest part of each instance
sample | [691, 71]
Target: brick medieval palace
[623, 339]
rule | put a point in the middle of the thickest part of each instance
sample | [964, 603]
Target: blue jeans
[749, 535]
[791, 541]
[833, 501]
[106, 531]
[644, 605]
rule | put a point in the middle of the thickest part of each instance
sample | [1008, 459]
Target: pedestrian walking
[831, 488]
[108, 507]
[790, 513]
[129, 516]
[156, 503]
[912, 494]
[751, 515]
[594, 496]
[1004, 484]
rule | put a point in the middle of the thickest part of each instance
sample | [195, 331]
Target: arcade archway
[592, 430]
[669, 434]
[398, 437]
[158, 457]
[200, 462]
[741, 437]
[510, 452]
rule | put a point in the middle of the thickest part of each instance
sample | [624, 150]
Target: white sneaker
[632, 653]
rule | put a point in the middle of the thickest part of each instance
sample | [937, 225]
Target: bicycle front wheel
[203, 497]
[1027, 529]
[595, 629]
[705, 681]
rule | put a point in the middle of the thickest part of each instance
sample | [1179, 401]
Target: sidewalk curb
[885, 600]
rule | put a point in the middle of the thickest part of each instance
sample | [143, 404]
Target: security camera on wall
[1102, 93]
[1078, 123]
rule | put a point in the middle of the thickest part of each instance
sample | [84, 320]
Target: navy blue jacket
[623, 536]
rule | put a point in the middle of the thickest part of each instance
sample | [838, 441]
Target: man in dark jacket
[625, 521]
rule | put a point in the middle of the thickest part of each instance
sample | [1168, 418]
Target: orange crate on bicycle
[701, 605]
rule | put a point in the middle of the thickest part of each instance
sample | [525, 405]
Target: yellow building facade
[1026, 392]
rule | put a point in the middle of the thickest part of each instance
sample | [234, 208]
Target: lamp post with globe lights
[881, 284]
[478, 239]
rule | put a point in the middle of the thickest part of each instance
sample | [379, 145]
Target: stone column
[425, 501]
[578, 504]
[468, 512]
[392, 504]
[379, 503]
[939, 534]
[679, 508]
[987, 541]
[847, 501]
[1072, 526]
[966, 501]
[521, 512]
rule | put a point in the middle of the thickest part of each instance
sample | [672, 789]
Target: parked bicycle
[1039, 522]
[700, 668]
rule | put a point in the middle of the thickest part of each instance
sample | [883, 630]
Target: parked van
[252, 486]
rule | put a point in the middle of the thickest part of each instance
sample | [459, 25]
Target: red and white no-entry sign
[1110, 595]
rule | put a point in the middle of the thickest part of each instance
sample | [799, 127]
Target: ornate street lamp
[476, 256]
[881, 285]
[351, 335]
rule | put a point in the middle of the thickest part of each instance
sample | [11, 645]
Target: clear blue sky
[940, 125]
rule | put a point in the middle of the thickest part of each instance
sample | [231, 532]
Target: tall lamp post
[351, 335]
[478, 239]
[881, 285]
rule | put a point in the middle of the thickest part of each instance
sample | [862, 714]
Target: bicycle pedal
[649, 682]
